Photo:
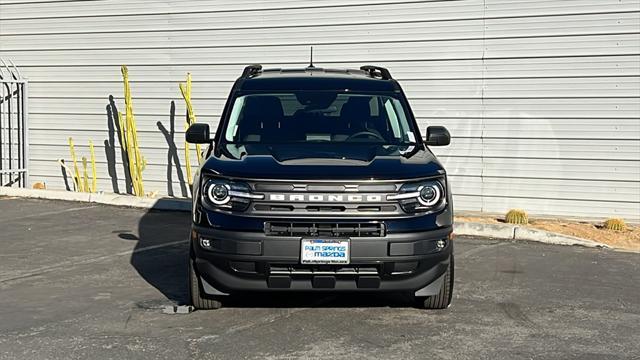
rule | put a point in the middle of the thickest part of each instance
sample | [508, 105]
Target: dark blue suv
[319, 180]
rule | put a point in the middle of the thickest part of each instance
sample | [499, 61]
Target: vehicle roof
[313, 78]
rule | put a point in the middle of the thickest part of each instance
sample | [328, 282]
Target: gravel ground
[628, 239]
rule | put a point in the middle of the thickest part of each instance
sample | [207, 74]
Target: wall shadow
[161, 258]
[65, 177]
[114, 131]
[172, 153]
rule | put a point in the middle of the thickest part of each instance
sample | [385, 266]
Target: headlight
[219, 193]
[422, 196]
[229, 195]
[430, 194]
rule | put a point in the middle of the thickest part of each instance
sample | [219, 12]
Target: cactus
[85, 175]
[615, 224]
[81, 181]
[129, 138]
[76, 176]
[94, 179]
[185, 90]
[517, 216]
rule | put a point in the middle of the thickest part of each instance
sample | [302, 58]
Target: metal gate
[14, 134]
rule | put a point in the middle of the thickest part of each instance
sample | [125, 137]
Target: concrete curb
[515, 232]
[500, 231]
[101, 198]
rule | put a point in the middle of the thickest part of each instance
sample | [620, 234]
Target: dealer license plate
[325, 251]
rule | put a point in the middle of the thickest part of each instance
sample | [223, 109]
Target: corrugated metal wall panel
[542, 97]
[413, 31]
[563, 67]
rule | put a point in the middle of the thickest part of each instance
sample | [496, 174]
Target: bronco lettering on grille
[325, 198]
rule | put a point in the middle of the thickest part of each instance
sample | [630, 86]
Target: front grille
[324, 229]
[324, 199]
[297, 209]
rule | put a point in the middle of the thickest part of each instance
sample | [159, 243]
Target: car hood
[421, 164]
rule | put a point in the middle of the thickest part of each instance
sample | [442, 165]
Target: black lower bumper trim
[227, 281]
[288, 247]
[279, 282]
[395, 262]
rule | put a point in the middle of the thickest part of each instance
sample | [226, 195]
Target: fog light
[440, 244]
[205, 243]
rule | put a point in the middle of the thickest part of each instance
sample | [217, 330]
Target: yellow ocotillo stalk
[94, 179]
[123, 132]
[126, 143]
[72, 150]
[136, 152]
[122, 135]
[133, 158]
[191, 115]
[85, 175]
[187, 160]
[187, 150]
[136, 161]
[127, 131]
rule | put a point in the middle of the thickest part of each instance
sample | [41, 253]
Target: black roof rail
[251, 70]
[377, 71]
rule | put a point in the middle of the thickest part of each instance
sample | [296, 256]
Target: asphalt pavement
[86, 281]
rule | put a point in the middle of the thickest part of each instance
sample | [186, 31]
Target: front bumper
[252, 261]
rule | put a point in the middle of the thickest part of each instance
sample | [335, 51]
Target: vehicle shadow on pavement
[160, 257]
[318, 300]
[161, 252]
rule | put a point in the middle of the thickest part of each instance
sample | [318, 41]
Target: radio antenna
[311, 59]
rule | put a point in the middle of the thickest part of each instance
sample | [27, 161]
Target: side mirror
[438, 136]
[198, 134]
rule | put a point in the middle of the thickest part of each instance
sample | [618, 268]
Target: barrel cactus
[517, 216]
[615, 224]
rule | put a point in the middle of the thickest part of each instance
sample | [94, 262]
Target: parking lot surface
[84, 281]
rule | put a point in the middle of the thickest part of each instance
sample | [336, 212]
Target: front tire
[199, 299]
[443, 299]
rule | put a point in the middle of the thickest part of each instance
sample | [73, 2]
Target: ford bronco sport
[319, 180]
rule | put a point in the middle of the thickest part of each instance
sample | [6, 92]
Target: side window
[232, 127]
[393, 119]
[403, 123]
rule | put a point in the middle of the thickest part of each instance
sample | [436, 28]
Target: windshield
[320, 117]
